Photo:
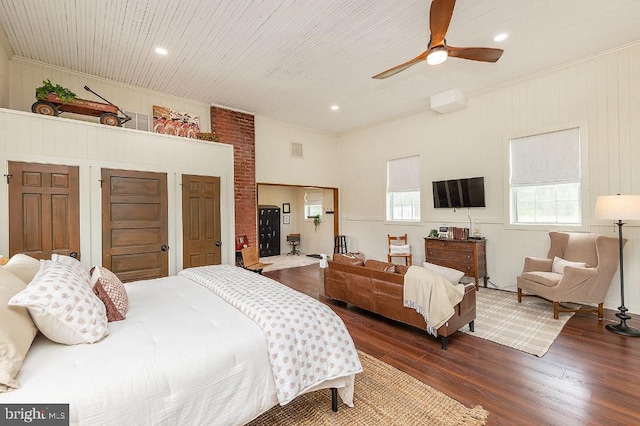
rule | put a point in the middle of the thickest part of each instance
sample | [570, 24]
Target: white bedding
[183, 356]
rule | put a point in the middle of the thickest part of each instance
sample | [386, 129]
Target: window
[403, 189]
[545, 179]
[313, 204]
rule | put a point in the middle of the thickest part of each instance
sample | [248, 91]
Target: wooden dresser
[469, 256]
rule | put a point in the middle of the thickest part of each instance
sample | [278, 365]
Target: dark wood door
[44, 210]
[134, 224]
[201, 221]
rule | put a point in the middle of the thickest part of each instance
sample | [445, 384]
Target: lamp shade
[618, 207]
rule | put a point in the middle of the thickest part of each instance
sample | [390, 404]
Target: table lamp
[619, 208]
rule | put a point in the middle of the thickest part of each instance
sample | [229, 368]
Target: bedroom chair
[578, 268]
[251, 260]
[398, 247]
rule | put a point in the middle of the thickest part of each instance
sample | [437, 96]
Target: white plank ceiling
[290, 60]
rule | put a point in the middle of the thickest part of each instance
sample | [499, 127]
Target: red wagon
[108, 113]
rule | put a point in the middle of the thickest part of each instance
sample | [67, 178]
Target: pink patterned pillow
[108, 287]
[62, 305]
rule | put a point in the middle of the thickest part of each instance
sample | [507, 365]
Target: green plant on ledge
[65, 95]
[316, 221]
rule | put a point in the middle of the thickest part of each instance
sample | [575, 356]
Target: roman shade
[546, 158]
[403, 174]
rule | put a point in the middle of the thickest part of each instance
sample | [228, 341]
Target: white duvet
[183, 356]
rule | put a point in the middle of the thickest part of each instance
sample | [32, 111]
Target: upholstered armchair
[584, 267]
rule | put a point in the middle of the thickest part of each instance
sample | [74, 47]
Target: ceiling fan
[438, 51]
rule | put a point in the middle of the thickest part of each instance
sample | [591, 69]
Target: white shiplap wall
[35, 138]
[602, 92]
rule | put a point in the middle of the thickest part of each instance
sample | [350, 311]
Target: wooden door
[44, 210]
[201, 221]
[134, 224]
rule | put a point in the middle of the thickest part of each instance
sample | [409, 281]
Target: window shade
[403, 174]
[313, 198]
[546, 158]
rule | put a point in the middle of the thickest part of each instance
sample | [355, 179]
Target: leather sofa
[378, 287]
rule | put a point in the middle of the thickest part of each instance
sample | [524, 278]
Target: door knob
[164, 247]
[218, 243]
[74, 254]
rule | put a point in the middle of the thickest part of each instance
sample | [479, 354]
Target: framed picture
[286, 208]
[286, 219]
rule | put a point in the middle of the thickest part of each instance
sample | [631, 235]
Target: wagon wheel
[45, 108]
[110, 119]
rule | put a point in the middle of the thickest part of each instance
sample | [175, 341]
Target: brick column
[237, 129]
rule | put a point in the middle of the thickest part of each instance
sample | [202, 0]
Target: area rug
[528, 326]
[384, 395]
[287, 261]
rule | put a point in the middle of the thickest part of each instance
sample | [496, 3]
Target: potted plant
[65, 95]
[316, 221]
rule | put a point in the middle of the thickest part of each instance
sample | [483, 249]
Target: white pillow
[451, 275]
[23, 266]
[75, 264]
[16, 331]
[400, 249]
[63, 306]
[559, 264]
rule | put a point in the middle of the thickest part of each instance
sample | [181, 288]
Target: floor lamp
[619, 207]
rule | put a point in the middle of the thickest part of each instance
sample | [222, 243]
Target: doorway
[135, 224]
[313, 239]
[44, 210]
[201, 221]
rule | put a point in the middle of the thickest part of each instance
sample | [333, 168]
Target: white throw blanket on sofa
[432, 296]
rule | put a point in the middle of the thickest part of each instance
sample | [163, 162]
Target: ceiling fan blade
[484, 54]
[439, 19]
[395, 70]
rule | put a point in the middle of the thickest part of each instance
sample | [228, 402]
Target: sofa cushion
[348, 259]
[402, 269]
[548, 279]
[380, 266]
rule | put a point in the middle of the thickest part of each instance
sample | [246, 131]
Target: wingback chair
[589, 284]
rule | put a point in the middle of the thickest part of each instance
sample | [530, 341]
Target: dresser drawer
[463, 246]
[458, 257]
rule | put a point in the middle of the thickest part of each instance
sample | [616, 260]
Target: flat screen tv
[453, 193]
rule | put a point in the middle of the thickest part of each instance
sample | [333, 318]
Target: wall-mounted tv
[467, 192]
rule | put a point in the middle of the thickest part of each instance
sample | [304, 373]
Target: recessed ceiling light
[501, 37]
[161, 51]
[334, 107]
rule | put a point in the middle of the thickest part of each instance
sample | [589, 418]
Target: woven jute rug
[384, 395]
[528, 326]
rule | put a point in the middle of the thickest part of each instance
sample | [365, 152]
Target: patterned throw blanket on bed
[307, 342]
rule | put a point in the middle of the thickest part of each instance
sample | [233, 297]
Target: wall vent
[138, 121]
[296, 150]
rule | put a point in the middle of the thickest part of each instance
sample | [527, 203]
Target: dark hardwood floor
[590, 376]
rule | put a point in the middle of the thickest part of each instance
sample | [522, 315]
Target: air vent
[296, 150]
[138, 121]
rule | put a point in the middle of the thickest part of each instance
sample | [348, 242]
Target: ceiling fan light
[437, 56]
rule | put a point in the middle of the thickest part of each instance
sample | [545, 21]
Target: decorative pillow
[23, 266]
[380, 266]
[73, 263]
[397, 249]
[63, 305]
[559, 264]
[108, 287]
[17, 331]
[451, 275]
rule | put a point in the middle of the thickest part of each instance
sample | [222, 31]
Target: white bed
[182, 356]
